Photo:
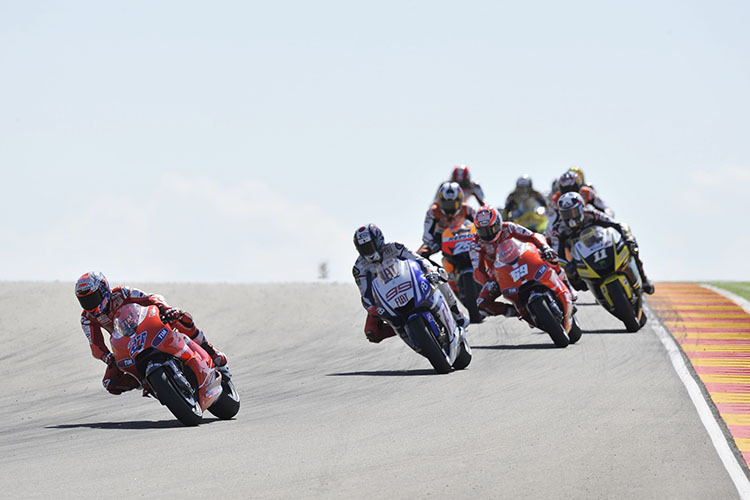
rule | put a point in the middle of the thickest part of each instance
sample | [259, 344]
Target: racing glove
[549, 254]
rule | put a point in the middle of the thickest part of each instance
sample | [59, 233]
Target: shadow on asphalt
[384, 373]
[131, 425]
[515, 347]
[606, 332]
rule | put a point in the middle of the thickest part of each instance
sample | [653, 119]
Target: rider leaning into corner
[100, 306]
[462, 176]
[374, 252]
[491, 232]
[575, 216]
[449, 209]
[523, 191]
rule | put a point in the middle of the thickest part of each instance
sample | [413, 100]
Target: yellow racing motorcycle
[530, 214]
[605, 263]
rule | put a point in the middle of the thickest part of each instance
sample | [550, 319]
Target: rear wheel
[469, 294]
[428, 345]
[547, 321]
[623, 308]
[178, 396]
[228, 403]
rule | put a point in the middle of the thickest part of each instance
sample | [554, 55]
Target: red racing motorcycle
[540, 296]
[170, 366]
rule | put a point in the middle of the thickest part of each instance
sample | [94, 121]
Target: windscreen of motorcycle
[128, 318]
[595, 239]
[509, 251]
[405, 283]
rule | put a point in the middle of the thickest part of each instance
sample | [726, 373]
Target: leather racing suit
[483, 254]
[436, 221]
[562, 236]
[364, 272]
[115, 380]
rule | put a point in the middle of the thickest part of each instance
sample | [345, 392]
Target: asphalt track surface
[325, 414]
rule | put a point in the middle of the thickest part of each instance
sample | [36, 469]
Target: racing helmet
[450, 197]
[569, 182]
[524, 184]
[92, 291]
[489, 223]
[461, 175]
[570, 207]
[369, 241]
[580, 174]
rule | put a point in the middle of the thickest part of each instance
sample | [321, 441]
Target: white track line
[736, 473]
[731, 296]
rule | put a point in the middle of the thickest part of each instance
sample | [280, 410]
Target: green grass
[741, 288]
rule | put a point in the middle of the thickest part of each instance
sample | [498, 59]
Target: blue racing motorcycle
[417, 310]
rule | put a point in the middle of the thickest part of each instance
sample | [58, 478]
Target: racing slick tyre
[228, 403]
[547, 321]
[428, 345]
[623, 308]
[574, 335]
[463, 359]
[180, 401]
[469, 294]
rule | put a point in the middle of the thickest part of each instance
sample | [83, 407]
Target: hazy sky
[245, 141]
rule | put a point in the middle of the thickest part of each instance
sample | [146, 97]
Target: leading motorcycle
[418, 312]
[605, 263]
[170, 366]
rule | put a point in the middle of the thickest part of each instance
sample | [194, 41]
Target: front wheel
[547, 321]
[463, 359]
[623, 308]
[428, 345]
[176, 396]
[228, 403]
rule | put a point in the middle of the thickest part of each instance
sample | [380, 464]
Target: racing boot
[564, 278]
[220, 359]
[647, 286]
[460, 318]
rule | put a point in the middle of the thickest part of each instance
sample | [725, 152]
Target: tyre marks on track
[714, 333]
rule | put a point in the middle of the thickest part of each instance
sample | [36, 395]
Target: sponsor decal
[124, 363]
[160, 337]
[403, 287]
[540, 272]
[510, 291]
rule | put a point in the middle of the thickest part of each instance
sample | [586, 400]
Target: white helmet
[570, 206]
[450, 197]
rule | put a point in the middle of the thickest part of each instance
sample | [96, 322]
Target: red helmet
[92, 290]
[489, 223]
[461, 175]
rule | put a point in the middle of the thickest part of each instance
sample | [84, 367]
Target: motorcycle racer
[462, 176]
[449, 209]
[524, 190]
[375, 253]
[491, 232]
[100, 306]
[571, 181]
[575, 216]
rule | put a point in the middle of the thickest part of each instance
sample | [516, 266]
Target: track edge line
[719, 440]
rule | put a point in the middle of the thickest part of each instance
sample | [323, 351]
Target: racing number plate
[520, 272]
